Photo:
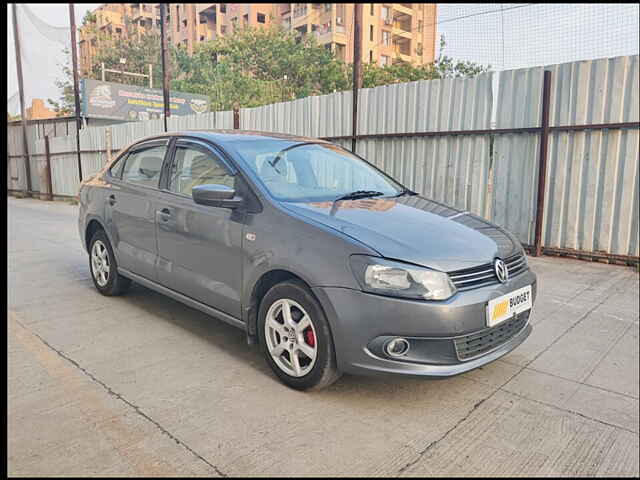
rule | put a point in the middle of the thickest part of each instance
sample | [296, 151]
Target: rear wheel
[104, 270]
[296, 338]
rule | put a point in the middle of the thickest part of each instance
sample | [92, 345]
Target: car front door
[199, 247]
[130, 208]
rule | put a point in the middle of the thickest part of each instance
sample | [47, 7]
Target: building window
[371, 33]
[202, 38]
[370, 56]
[203, 19]
[339, 13]
[385, 15]
[184, 22]
[223, 8]
[386, 38]
[261, 18]
[245, 19]
[372, 10]
[384, 60]
[118, 30]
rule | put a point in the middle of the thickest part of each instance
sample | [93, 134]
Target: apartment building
[192, 23]
[111, 19]
[391, 32]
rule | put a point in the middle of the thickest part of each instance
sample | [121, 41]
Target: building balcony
[404, 57]
[403, 8]
[206, 8]
[401, 32]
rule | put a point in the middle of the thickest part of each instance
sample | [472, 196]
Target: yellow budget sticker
[500, 309]
[507, 306]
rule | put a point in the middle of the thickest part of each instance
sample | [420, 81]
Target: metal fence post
[236, 118]
[357, 71]
[48, 168]
[108, 143]
[542, 162]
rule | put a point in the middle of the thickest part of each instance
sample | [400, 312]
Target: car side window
[143, 166]
[116, 169]
[197, 166]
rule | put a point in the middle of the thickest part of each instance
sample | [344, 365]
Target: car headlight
[397, 279]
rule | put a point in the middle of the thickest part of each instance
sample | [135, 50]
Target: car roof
[223, 137]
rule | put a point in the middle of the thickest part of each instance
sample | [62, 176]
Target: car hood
[414, 229]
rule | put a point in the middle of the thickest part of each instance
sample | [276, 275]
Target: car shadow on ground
[232, 341]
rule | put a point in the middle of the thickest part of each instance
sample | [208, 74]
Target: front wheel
[295, 337]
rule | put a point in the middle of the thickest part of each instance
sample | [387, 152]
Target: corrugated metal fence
[437, 138]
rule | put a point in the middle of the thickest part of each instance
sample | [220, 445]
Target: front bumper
[360, 323]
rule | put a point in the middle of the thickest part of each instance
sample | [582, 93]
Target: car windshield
[311, 172]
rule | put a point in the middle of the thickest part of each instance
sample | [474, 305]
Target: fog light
[397, 347]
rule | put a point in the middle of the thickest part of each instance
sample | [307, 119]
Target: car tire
[103, 267]
[309, 337]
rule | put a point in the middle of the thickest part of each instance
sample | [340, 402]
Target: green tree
[257, 66]
[65, 105]
[443, 67]
[249, 67]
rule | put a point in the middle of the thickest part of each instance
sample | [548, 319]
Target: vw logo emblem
[502, 272]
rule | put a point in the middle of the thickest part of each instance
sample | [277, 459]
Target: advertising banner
[116, 101]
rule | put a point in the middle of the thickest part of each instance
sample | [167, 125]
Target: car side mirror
[215, 195]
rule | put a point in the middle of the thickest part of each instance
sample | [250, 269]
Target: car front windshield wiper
[359, 194]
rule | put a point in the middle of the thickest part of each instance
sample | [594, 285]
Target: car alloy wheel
[100, 263]
[291, 337]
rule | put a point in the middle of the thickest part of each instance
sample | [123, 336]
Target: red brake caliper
[309, 337]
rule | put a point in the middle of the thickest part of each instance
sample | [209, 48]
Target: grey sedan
[321, 258]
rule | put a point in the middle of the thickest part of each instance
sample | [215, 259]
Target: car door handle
[112, 199]
[164, 214]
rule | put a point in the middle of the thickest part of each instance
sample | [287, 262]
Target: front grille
[476, 344]
[484, 275]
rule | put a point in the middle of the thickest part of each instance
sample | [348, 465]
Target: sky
[505, 36]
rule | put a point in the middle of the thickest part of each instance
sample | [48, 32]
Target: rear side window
[143, 166]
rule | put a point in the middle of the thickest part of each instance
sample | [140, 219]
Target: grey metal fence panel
[15, 146]
[426, 105]
[592, 176]
[453, 170]
[64, 165]
[322, 116]
[15, 170]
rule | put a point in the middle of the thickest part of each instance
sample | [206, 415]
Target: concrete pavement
[143, 385]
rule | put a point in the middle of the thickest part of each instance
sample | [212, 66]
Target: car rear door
[130, 208]
[199, 247]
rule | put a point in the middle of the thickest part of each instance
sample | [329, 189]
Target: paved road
[142, 385]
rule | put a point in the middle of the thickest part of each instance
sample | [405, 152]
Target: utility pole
[357, 69]
[23, 112]
[76, 90]
[165, 63]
